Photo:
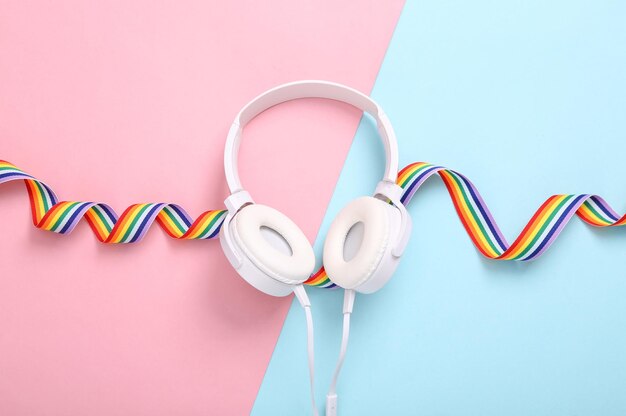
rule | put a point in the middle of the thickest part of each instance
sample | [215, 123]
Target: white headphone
[364, 243]
[246, 235]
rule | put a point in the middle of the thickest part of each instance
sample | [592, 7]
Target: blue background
[526, 98]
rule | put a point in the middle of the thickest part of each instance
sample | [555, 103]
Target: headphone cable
[331, 397]
[306, 305]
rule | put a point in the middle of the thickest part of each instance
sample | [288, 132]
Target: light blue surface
[528, 99]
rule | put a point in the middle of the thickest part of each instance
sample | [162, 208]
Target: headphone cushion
[247, 230]
[374, 214]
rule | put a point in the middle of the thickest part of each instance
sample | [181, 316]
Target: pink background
[124, 102]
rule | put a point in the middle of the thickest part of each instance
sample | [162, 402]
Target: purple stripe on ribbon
[558, 226]
[417, 182]
[605, 207]
[11, 176]
[182, 214]
[482, 207]
[76, 217]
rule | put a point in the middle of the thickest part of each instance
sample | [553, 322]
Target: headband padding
[374, 214]
[290, 269]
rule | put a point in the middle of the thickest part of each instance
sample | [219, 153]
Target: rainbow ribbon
[536, 237]
[62, 216]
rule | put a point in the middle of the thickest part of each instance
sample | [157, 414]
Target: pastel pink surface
[125, 102]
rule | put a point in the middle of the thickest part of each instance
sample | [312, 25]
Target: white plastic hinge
[393, 193]
[237, 200]
[389, 190]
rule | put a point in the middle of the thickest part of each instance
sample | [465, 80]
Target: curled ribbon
[538, 235]
[62, 216]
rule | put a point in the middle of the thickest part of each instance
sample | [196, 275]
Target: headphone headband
[308, 89]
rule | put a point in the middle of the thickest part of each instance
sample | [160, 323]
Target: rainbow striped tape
[536, 237]
[61, 217]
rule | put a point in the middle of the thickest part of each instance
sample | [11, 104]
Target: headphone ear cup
[272, 247]
[357, 250]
